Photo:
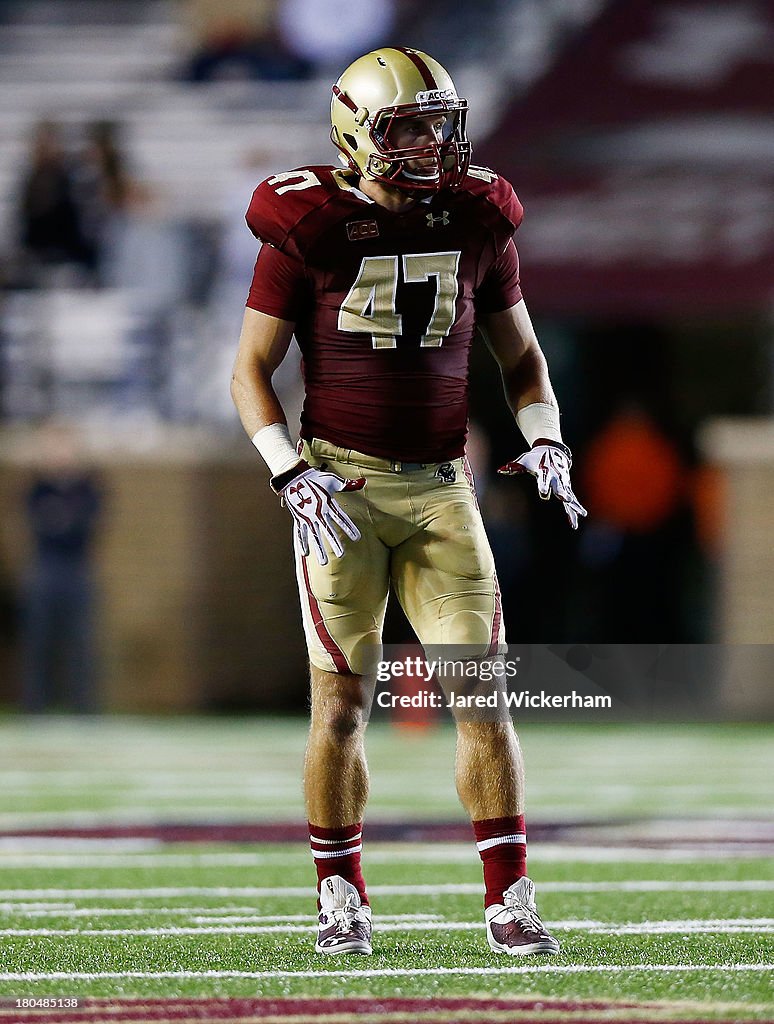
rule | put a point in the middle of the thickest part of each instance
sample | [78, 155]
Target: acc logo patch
[434, 96]
[358, 229]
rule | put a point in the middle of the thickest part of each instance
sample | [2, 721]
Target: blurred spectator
[633, 475]
[238, 40]
[51, 223]
[62, 504]
[312, 30]
[639, 537]
[103, 189]
[710, 503]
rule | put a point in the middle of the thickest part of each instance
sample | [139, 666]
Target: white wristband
[276, 448]
[539, 420]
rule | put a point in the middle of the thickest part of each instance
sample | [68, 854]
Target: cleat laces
[525, 914]
[346, 915]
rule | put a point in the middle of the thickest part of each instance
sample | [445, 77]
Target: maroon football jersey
[384, 304]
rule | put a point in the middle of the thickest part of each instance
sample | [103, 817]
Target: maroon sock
[502, 846]
[336, 851]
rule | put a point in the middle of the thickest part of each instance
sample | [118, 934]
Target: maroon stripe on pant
[497, 618]
[321, 629]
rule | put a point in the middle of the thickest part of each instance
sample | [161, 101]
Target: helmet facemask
[448, 158]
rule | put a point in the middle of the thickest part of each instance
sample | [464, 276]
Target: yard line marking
[200, 915]
[70, 910]
[160, 892]
[384, 919]
[679, 923]
[141, 860]
[665, 928]
[693, 930]
[679, 852]
[387, 972]
[68, 843]
[284, 929]
[450, 888]
[139, 816]
[30, 909]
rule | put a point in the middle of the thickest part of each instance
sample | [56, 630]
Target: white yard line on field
[669, 928]
[268, 929]
[696, 927]
[141, 815]
[444, 854]
[419, 922]
[444, 889]
[30, 909]
[67, 844]
[142, 860]
[199, 915]
[389, 972]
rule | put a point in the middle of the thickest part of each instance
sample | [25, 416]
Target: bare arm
[263, 344]
[511, 339]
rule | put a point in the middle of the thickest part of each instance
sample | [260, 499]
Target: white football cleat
[345, 923]
[514, 926]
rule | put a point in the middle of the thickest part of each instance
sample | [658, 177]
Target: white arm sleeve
[539, 420]
[276, 448]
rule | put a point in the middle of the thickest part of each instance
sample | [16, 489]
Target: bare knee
[487, 733]
[341, 721]
[339, 705]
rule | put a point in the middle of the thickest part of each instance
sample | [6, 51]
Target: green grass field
[663, 889]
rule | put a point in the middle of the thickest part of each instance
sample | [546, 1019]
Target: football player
[383, 269]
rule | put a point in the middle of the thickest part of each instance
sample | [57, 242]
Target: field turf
[126, 874]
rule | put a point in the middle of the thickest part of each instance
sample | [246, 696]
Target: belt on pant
[324, 449]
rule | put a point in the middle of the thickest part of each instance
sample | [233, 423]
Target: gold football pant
[421, 529]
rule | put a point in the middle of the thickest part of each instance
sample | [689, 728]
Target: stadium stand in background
[179, 246]
[138, 345]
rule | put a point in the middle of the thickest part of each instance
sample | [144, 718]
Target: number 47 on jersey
[369, 307]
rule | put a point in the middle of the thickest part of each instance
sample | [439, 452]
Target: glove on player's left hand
[549, 462]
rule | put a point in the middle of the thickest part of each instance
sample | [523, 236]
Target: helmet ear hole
[350, 140]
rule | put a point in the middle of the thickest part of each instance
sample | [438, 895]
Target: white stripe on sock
[325, 854]
[328, 842]
[487, 844]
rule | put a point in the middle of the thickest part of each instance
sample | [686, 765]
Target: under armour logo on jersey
[443, 220]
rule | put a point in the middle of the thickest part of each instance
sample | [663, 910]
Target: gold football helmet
[371, 99]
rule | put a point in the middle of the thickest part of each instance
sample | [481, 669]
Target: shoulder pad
[290, 208]
[483, 184]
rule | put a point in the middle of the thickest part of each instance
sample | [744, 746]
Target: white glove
[549, 462]
[308, 495]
